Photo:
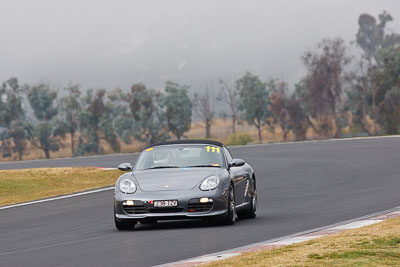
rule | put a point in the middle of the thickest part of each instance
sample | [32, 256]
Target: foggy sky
[103, 44]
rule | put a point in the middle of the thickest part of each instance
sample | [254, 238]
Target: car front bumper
[188, 205]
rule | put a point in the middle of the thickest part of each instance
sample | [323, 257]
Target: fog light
[129, 203]
[205, 200]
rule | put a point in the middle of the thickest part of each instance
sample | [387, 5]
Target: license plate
[165, 203]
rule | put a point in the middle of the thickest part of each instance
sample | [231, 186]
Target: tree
[373, 40]
[325, 80]
[230, 95]
[178, 108]
[358, 96]
[298, 118]
[123, 122]
[388, 93]
[44, 137]
[290, 111]
[390, 108]
[70, 107]
[254, 101]
[46, 132]
[12, 119]
[279, 105]
[371, 36]
[96, 124]
[149, 118]
[205, 110]
[42, 98]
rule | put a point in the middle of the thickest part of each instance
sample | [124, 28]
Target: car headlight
[209, 183]
[127, 186]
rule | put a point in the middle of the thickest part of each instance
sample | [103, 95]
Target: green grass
[374, 245]
[30, 184]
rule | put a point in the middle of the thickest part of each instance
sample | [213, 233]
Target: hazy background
[103, 44]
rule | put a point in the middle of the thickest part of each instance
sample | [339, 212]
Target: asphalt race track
[300, 186]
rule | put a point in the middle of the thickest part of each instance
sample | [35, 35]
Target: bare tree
[298, 118]
[325, 79]
[278, 105]
[230, 94]
[204, 108]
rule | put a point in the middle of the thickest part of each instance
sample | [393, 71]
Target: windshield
[180, 156]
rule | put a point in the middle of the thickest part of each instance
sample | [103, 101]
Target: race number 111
[212, 149]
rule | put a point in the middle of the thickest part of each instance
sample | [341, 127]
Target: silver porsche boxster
[188, 179]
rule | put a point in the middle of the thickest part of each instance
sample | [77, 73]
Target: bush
[239, 139]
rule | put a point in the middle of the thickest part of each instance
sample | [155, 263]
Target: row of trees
[35, 114]
[338, 90]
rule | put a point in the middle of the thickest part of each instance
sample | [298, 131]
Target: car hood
[172, 179]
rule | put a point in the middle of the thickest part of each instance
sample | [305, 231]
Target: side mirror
[236, 163]
[125, 167]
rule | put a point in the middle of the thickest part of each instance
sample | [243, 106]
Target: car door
[240, 181]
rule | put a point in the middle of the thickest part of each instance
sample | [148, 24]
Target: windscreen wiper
[194, 166]
[163, 167]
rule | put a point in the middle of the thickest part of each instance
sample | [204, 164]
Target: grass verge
[30, 184]
[374, 245]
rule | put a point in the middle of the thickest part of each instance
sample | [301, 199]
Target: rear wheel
[253, 206]
[231, 216]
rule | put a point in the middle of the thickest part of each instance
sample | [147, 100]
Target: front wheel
[130, 225]
[148, 221]
[231, 216]
[251, 211]
[124, 225]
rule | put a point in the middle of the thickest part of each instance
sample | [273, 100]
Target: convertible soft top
[195, 141]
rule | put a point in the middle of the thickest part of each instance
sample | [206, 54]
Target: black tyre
[124, 225]
[253, 207]
[251, 211]
[148, 221]
[231, 216]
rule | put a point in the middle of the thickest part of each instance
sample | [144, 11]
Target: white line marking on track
[56, 198]
[357, 224]
[318, 141]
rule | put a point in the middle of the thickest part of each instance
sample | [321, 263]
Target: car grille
[195, 206]
[137, 208]
[165, 210]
